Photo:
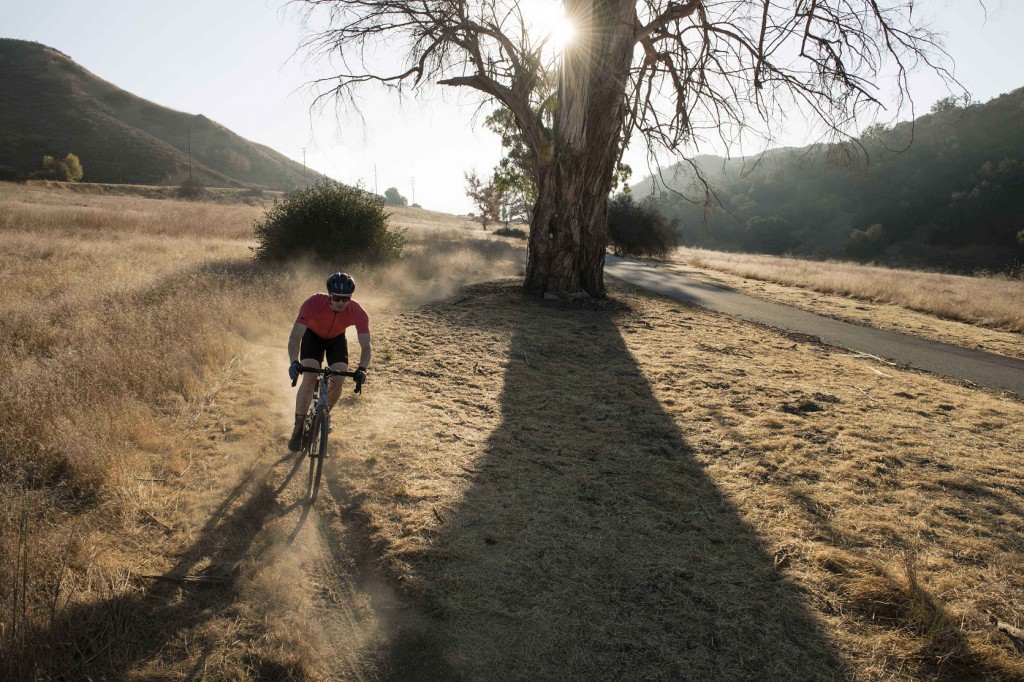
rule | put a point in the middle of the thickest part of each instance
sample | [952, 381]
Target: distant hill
[52, 106]
[944, 192]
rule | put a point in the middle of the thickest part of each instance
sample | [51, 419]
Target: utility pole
[304, 165]
[375, 179]
[413, 190]
[189, 135]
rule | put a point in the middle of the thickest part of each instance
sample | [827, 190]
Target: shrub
[328, 220]
[639, 229]
[768, 235]
[512, 232]
[68, 169]
[190, 189]
[866, 244]
[73, 168]
[393, 198]
[8, 174]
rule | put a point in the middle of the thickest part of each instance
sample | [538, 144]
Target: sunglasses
[338, 298]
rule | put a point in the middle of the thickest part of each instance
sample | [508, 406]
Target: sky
[238, 63]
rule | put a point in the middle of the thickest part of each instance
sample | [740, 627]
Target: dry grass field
[985, 312]
[631, 489]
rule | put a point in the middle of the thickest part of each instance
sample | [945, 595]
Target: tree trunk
[569, 229]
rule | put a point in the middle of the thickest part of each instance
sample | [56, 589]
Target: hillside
[946, 191]
[53, 106]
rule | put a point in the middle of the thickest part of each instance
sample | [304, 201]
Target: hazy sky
[233, 61]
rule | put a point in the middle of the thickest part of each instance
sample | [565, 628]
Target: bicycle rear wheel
[317, 451]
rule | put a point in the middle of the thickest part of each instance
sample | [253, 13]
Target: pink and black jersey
[317, 315]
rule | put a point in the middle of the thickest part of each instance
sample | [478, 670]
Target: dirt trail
[304, 601]
[312, 551]
[233, 576]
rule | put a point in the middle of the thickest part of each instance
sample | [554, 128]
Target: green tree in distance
[393, 198]
[489, 199]
[68, 169]
[673, 72]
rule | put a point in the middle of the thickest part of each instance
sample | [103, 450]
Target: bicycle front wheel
[317, 451]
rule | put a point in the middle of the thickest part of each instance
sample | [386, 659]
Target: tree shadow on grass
[591, 544]
[110, 638]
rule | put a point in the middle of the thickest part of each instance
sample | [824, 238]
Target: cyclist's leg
[308, 384]
[337, 359]
[311, 354]
[336, 383]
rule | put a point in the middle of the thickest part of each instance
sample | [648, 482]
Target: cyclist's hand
[360, 379]
[294, 370]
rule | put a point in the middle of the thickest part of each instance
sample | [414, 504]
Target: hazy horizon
[239, 67]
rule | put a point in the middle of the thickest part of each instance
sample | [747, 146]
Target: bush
[393, 198]
[68, 169]
[8, 174]
[328, 220]
[639, 229]
[190, 189]
[866, 244]
[768, 235]
[512, 232]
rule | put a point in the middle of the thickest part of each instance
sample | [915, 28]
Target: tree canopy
[676, 73]
[392, 197]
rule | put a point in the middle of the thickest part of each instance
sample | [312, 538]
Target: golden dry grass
[36, 209]
[991, 301]
[635, 489]
[114, 318]
[119, 317]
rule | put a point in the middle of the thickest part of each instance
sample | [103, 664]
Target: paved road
[985, 369]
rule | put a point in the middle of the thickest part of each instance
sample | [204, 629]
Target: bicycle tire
[317, 451]
[307, 434]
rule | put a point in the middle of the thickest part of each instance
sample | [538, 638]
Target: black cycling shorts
[313, 348]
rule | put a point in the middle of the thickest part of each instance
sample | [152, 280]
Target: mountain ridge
[54, 106]
[944, 191]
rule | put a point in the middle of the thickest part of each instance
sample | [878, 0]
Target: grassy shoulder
[973, 312]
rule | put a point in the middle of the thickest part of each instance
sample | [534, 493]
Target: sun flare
[562, 33]
[548, 25]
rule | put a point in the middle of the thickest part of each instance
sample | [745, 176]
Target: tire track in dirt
[308, 567]
[317, 579]
[359, 625]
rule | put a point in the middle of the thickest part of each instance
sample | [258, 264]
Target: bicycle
[317, 425]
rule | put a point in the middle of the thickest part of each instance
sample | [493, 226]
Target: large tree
[674, 72]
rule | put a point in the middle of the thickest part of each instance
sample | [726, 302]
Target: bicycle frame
[317, 425]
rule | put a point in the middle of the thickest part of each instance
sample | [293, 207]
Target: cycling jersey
[317, 315]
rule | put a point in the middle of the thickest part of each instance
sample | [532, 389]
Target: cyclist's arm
[367, 353]
[295, 341]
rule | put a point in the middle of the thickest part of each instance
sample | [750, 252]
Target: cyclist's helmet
[340, 283]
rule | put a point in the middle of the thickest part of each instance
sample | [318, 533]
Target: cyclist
[319, 329]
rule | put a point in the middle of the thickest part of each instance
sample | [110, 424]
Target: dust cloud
[312, 579]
